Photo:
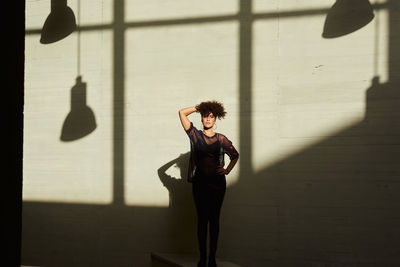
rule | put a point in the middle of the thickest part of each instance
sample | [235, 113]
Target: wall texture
[316, 122]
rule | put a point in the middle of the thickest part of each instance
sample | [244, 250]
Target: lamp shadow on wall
[347, 16]
[59, 24]
[335, 201]
[81, 120]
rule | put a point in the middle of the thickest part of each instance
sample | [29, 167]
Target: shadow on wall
[57, 234]
[80, 121]
[59, 24]
[347, 16]
[181, 206]
[335, 203]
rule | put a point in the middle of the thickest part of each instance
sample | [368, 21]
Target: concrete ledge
[182, 260]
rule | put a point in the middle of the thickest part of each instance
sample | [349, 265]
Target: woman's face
[208, 120]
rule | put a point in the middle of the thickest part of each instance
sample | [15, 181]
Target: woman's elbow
[235, 157]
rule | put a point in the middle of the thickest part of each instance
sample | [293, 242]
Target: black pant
[208, 201]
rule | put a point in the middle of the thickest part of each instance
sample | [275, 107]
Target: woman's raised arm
[183, 113]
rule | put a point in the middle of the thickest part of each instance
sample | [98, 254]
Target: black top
[206, 154]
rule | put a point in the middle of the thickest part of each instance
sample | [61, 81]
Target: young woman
[207, 172]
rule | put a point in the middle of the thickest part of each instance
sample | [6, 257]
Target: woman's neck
[208, 132]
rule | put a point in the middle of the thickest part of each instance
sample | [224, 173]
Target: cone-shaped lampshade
[80, 120]
[347, 16]
[59, 24]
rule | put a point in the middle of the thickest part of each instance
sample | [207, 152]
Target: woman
[207, 172]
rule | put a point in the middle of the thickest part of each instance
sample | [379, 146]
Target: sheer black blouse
[206, 154]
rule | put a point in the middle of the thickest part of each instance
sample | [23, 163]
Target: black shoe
[212, 262]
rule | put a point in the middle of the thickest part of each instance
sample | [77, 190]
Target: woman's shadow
[182, 215]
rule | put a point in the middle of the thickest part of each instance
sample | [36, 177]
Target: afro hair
[214, 107]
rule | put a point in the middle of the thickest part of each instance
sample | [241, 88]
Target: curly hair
[214, 107]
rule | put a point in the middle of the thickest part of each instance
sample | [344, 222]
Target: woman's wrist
[188, 111]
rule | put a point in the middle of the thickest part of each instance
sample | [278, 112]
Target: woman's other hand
[221, 170]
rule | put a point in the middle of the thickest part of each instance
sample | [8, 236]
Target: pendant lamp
[347, 16]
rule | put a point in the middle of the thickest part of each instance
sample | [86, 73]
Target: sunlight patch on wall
[174, 9]
[36, 13]
[93, 12]
[381, 31]
[169, 68]
[307, 88]
[289, 5]
[77, 171]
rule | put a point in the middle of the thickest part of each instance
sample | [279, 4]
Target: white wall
[307, 114]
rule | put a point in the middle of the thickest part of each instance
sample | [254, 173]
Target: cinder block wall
[316, 122]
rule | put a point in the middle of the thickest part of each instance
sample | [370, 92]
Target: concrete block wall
[316, 122]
